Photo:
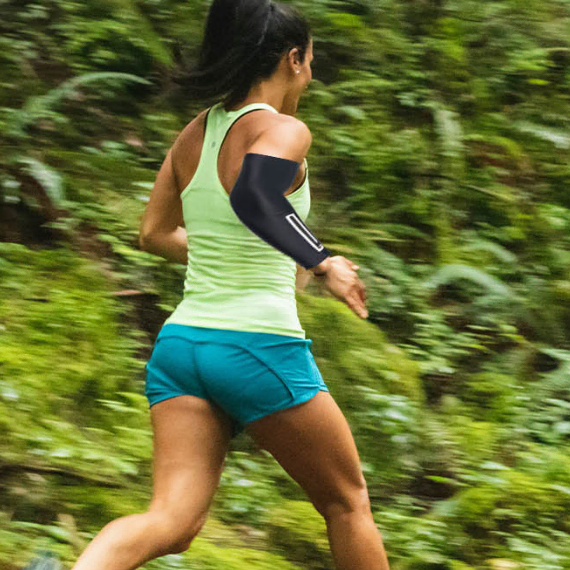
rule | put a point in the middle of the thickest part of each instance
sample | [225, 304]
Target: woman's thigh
[314, 444]
[190, 437]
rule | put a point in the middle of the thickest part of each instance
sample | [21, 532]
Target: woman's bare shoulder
[195, 127]
[190, 138]
[285, 136]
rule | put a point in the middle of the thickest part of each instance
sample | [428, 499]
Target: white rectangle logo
[304, 231]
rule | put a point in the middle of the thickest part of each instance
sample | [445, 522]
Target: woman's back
[239, 138]
[234, 279]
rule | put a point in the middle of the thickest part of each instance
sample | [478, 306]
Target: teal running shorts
[247, 374]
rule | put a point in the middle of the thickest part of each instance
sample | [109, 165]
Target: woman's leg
[314, 444]
[190, 442]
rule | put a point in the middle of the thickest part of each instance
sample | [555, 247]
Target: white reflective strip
[304, 231]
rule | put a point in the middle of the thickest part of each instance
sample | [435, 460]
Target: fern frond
[457, 271]
[502, 253]
[48, 178]
[42, 105]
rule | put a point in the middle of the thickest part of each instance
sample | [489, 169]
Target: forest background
[440, 164]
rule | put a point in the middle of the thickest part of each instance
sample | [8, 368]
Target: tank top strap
[232, 115]
[218, 123]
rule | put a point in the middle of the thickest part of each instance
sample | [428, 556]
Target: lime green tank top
[234, 279]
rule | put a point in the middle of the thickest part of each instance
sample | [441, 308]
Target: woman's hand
[342, 281]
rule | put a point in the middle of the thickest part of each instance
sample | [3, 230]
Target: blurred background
[440, 164]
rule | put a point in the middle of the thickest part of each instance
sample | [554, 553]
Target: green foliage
[454, 272]
[296, 528]
[42, 107]
[206, 556]
[247, 493]
[68, 391]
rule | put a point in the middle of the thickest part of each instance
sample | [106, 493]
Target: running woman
[230, 200]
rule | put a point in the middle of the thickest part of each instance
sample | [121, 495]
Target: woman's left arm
[162, 229]
[302, 278]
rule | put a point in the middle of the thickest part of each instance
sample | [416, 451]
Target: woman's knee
[178, 532]
[351, 502]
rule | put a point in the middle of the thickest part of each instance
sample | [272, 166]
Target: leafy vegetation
[441, 145]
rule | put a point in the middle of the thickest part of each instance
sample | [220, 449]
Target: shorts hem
[159, 399]
[305, 398]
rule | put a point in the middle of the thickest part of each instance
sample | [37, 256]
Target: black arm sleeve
[259, 202]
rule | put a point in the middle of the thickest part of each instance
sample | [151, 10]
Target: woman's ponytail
[243, 43]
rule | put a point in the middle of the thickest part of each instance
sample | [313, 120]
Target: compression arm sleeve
[259, 202]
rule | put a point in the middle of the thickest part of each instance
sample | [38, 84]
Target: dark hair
[243, 43]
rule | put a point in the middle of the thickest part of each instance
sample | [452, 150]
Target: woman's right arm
[258, 198]
[270, 166]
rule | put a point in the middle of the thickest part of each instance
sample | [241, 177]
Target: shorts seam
[305, 398]
[283, 380]
[203, 385]
[149, 374]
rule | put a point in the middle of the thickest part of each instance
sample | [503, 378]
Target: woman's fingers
[356, 303]
[355, 297]
[361, 289]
